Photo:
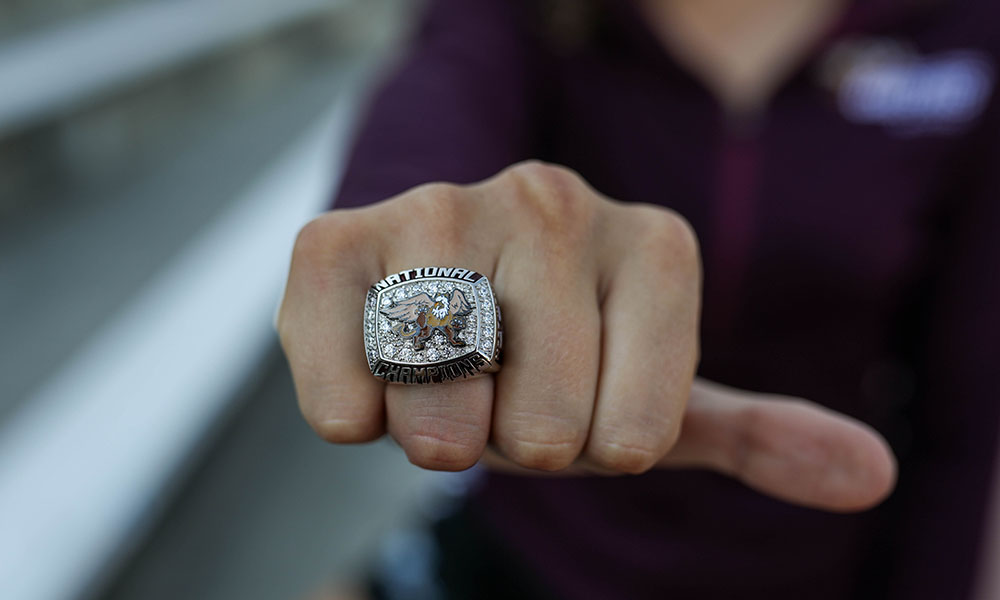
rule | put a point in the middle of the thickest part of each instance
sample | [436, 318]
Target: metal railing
[85, 459]
[49, 72]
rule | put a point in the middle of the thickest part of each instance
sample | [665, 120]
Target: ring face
[432, 324]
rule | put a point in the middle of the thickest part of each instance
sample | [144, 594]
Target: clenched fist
[601, 307]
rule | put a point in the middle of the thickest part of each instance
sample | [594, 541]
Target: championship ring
[431, 325]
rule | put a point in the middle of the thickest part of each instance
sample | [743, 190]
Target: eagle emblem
[419, 316]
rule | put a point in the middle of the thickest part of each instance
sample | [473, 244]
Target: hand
[601, 306]
[785, 447]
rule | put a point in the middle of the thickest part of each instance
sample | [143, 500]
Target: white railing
[46, 73]
[85, 460]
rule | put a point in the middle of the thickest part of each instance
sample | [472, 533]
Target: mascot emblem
[419, 316]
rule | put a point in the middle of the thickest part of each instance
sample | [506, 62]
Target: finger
[787, 448]
[320, 328]
[494, 461]
[546, 282]
[650, 343]
[440, 426]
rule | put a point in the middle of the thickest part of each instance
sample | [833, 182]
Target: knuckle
[635, 442]
[626, 457]
[666, 233]
[746, 441]
[441, 453]
[538, 441]
[551, 199]
[310, 239]
[541, 454]
[437, 202]
[338, 414]
[347, 431]
[438, 212]
[439, 432]
[285, 331]
[546, 174]
[324, 235]
[545, 440]
[667, 245]
[330, 246]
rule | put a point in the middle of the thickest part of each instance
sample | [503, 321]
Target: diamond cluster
[398, 349]
[371, 310]
[482, 331]
[486, 302]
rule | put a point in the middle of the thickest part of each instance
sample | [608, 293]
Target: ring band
[432, 325]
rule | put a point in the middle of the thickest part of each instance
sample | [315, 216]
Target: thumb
[785, 447]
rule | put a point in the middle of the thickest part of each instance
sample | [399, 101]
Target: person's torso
[816, 221]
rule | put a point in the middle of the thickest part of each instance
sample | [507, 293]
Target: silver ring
[432, 325]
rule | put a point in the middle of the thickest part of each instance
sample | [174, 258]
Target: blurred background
[156, 160]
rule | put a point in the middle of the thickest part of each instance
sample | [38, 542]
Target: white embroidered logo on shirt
[913, 94]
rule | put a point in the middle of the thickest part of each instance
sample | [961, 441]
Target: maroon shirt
[851, 239]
